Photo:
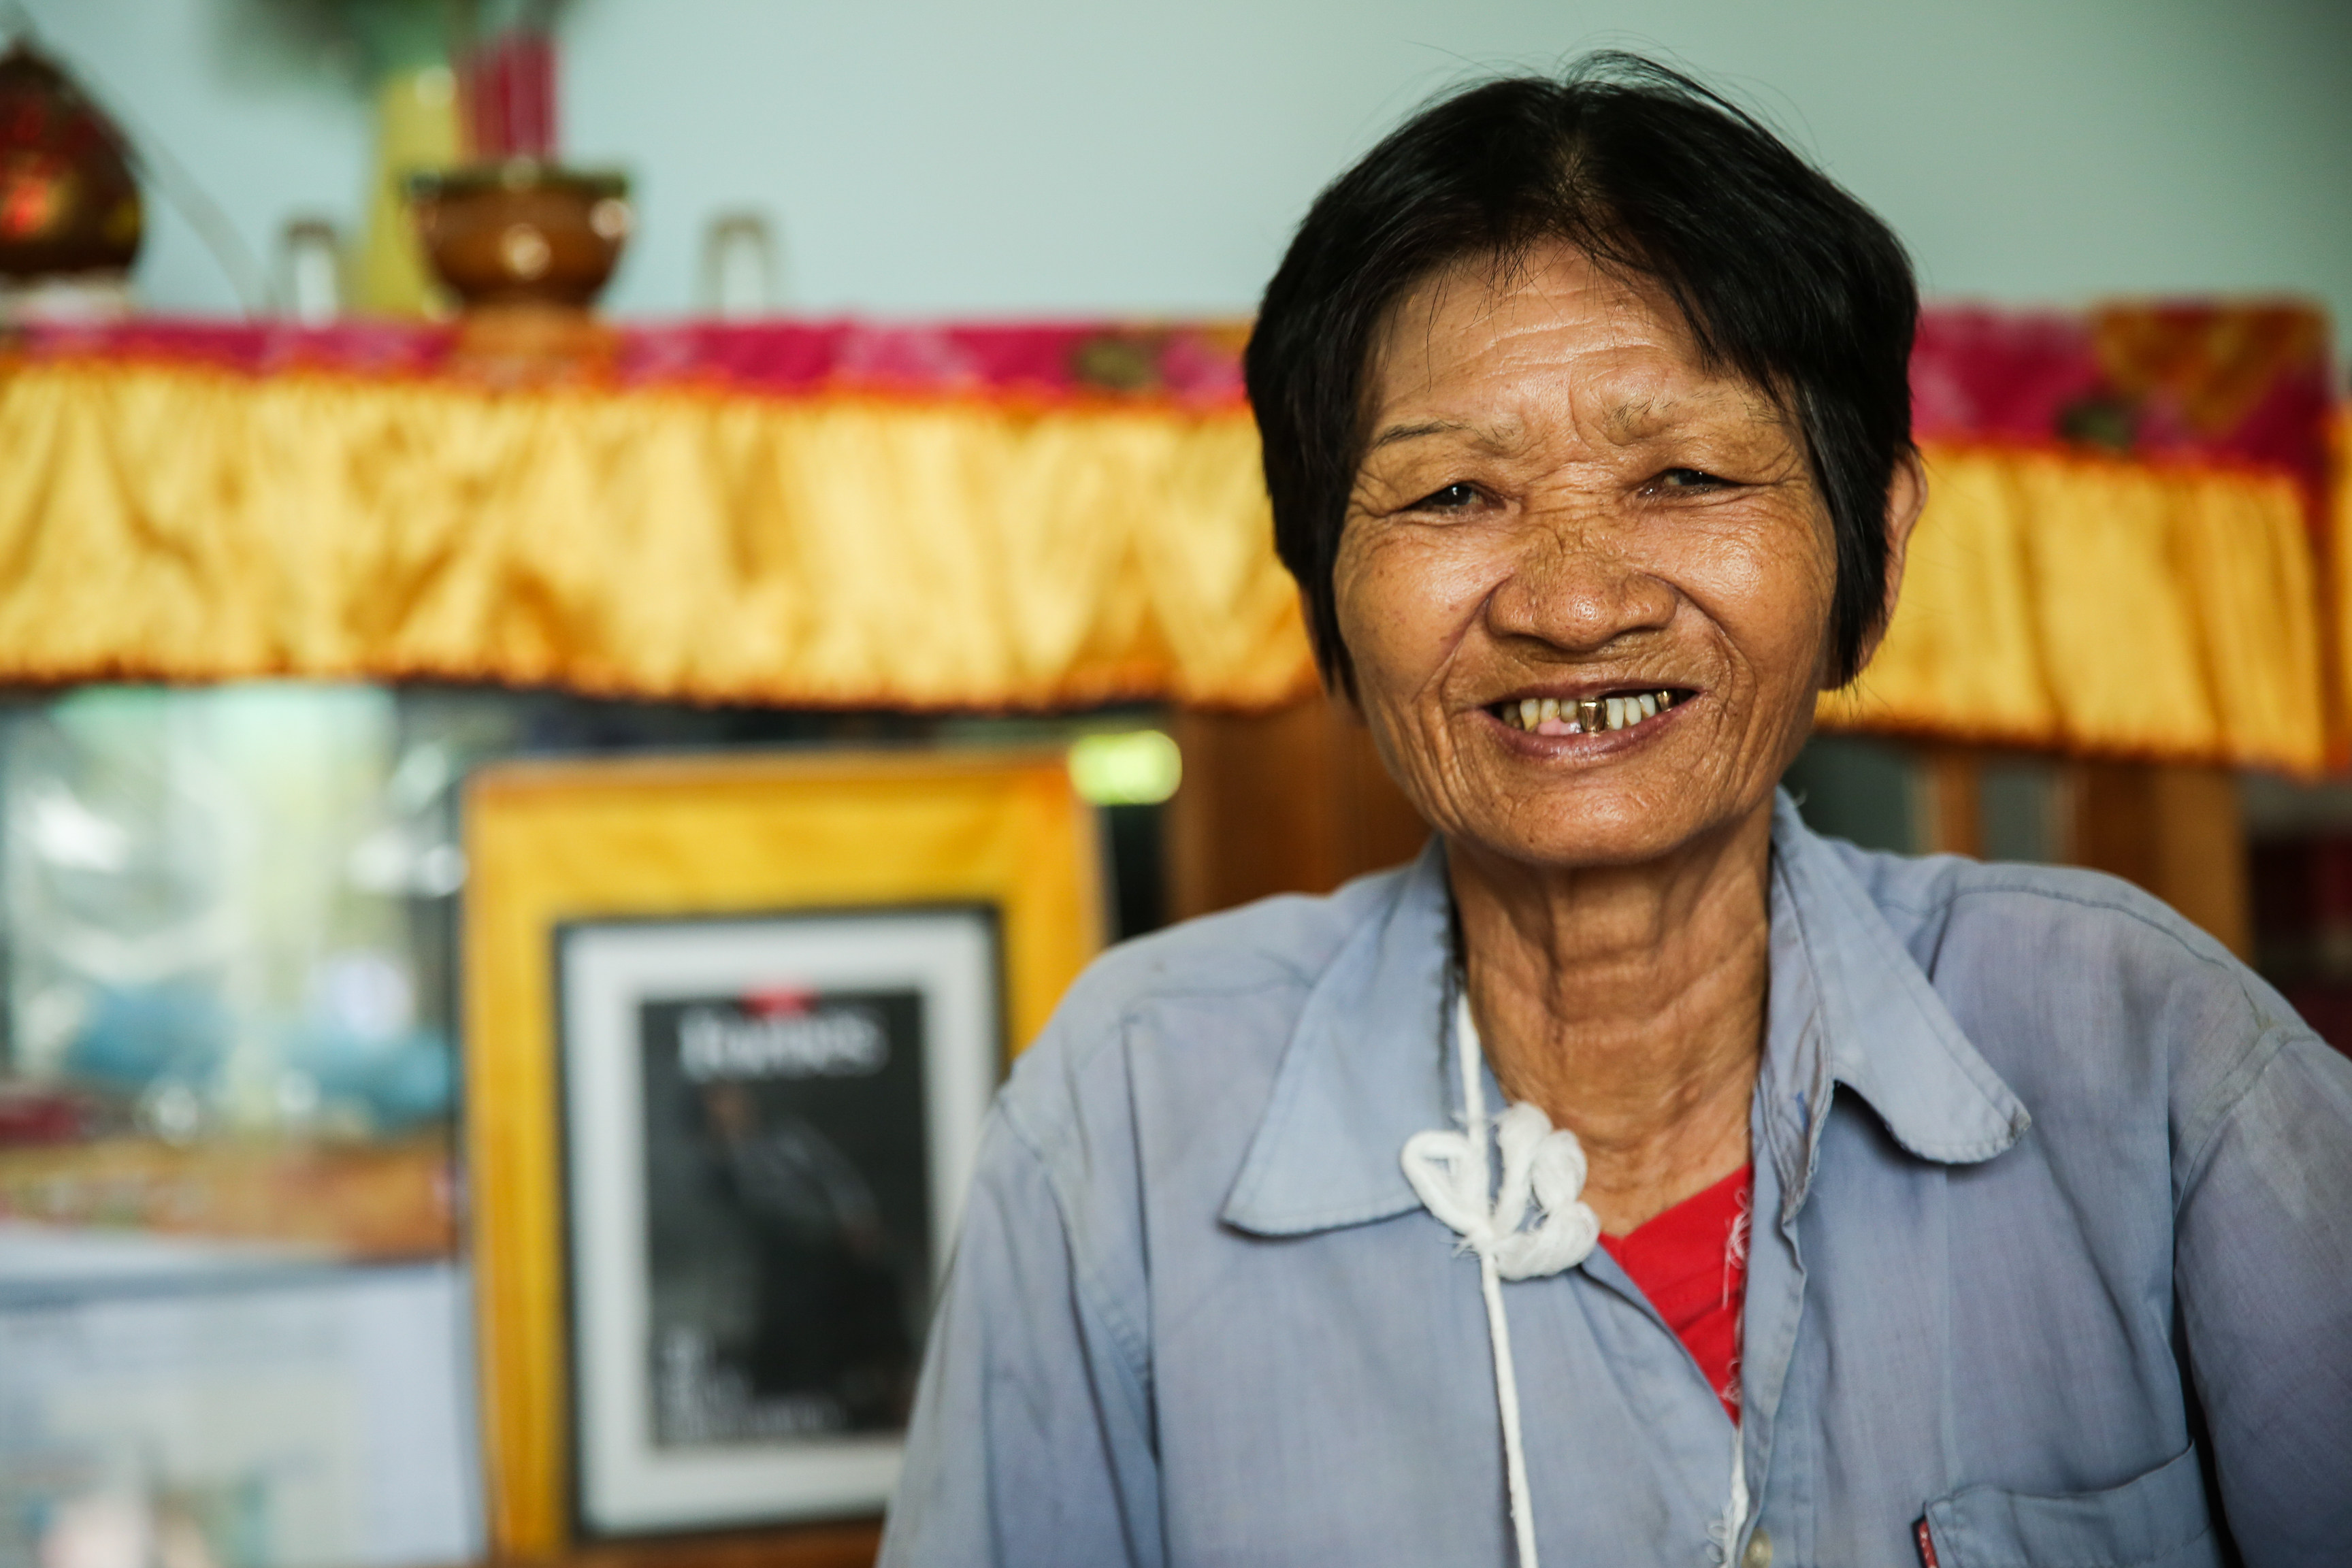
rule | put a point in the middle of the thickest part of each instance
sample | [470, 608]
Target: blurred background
[389, 388]
[935, 158]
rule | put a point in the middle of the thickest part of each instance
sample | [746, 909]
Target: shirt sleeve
[1030, 1439]
[2264, 1270]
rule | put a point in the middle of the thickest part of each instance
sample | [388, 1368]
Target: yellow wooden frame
[548, 842]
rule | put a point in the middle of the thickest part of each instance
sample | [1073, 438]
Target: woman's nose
[1573, 581]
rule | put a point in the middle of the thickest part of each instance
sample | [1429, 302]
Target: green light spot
[1141, 767]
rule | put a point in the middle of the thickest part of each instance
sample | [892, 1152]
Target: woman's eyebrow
[1396, 433]
[1498, 438]
[1636, 418]
[1643, 416]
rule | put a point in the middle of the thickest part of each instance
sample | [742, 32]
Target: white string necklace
[1451, 1174]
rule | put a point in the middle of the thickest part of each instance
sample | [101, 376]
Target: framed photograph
[768, 1126]
[733, 1025]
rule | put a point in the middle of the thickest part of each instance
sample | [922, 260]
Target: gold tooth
[1588, 710]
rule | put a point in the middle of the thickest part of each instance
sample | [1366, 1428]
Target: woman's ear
[1907, 497]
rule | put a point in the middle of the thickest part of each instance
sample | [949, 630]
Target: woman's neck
[1628, 1002]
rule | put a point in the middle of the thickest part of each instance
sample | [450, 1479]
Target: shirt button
[1759, 1549]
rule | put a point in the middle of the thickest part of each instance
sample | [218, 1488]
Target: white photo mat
[607, 973]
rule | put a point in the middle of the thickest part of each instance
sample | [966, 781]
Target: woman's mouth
[1587, 715]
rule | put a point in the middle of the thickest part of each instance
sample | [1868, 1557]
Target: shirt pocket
[2156, 1521]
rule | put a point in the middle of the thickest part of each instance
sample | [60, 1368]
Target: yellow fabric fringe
[181, 524]
[2059, 600]
[178, 524]
[2339, 641]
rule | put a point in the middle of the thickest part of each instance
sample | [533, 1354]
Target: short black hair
[1784, 278]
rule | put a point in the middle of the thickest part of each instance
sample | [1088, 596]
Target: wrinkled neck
[1627, 1003]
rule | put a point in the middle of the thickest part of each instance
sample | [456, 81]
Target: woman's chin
[1597, 830]
[1604, 817]
[1612, 799]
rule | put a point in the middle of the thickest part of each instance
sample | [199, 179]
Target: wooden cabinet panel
[1291, 801]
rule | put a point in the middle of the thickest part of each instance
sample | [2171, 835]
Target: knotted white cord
[1450, 1172]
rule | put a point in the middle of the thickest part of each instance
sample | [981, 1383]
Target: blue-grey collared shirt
[2052, 1249]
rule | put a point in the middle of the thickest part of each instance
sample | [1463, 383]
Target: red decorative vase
[69, 206]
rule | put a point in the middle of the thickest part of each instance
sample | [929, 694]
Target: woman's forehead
[1484, 349]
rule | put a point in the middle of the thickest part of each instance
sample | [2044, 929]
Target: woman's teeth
[1589, 716]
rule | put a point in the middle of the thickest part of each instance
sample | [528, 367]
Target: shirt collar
[1365, 1066]
[1363, 1072]
[1851, 1005]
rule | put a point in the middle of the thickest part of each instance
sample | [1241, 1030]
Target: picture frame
[950, 895]
[767, 1121]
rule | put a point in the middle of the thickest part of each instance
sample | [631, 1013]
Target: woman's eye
[1687, 480]
[1452, 498]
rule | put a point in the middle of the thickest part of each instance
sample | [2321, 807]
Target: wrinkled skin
[1558, 500]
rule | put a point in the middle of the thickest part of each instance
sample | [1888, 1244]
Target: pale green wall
[1054, 155]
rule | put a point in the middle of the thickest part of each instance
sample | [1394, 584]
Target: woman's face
[1560, 505]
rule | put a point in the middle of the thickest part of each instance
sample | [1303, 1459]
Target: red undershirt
[1692, 1263]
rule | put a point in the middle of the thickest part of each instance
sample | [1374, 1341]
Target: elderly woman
[1587, 428]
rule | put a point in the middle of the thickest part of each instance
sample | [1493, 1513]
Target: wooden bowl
[522, 232]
